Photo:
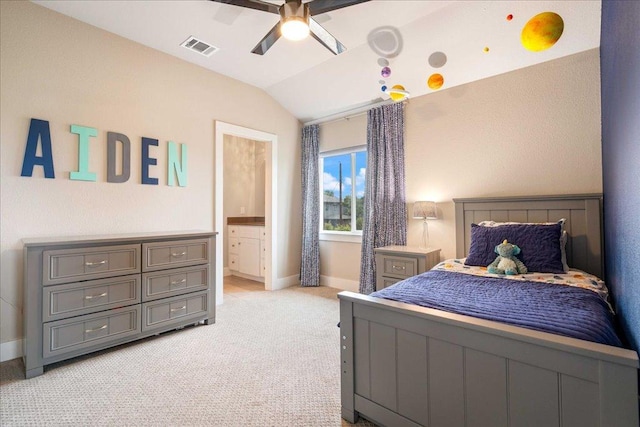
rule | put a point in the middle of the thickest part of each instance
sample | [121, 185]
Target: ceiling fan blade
[267, 41]
[251, 4]
[317, 7]
[324, 37]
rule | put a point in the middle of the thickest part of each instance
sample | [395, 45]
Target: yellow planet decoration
[542, 31]
[486, 49]
[435, 81]
[397, 93]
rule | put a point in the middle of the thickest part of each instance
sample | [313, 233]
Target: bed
[407, 365]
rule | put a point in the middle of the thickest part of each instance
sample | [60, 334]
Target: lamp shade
[424, 210]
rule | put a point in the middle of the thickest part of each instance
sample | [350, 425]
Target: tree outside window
[342, 189]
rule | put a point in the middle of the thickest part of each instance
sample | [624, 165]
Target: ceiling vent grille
[199, 46]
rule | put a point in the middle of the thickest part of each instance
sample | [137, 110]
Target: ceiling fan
[296, 21]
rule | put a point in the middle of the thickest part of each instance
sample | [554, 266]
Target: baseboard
[340, 283]
[286, 282]
[226, 271]
[10, 350]
[248, 276]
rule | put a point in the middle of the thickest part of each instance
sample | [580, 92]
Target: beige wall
[61, 70]
[530, 131]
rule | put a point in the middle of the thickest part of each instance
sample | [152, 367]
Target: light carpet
[271, 359]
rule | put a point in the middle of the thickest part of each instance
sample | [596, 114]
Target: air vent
[199, 46]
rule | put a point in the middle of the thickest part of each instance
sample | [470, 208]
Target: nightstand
[395, 263]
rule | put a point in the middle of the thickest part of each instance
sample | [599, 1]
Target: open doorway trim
[271, 205]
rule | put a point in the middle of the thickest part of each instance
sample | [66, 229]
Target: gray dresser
[88, 293]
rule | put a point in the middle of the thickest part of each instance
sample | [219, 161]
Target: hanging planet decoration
[542, 31]
[435, 81]
[486, 49]
[397, 93]
[383, 88]
[509, 17]
[383, 62]
[437, 59]
[386, 72]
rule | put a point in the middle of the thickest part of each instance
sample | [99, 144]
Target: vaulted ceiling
[475, 39]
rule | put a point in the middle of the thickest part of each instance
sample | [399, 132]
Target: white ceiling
[309, 81]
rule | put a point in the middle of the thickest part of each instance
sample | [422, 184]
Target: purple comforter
[563, 310]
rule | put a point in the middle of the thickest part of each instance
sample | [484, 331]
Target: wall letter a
[38, 130]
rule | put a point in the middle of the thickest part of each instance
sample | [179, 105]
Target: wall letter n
[173, 165]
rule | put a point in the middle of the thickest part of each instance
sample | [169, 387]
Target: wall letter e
[148, 161]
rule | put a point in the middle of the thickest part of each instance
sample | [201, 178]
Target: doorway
[271, 140]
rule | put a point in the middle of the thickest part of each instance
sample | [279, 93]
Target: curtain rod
[354, 112]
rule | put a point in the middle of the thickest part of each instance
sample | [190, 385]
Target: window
[342, 179]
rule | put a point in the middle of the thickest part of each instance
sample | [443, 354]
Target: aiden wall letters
[39, 131]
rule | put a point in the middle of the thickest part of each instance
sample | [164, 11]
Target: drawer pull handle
[95, 264]
[177, 282]
[88, 331]
[176, 254]
[104, 294]
[178, 309]
[398, 267]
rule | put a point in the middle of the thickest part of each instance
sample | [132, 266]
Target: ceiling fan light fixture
[294, 20]
[294, 29]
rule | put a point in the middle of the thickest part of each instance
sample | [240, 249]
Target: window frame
[333, 235]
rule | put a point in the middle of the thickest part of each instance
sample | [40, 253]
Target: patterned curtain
[310, 264]
[385, 209]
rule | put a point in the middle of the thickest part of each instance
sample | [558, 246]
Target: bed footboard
[404, 365]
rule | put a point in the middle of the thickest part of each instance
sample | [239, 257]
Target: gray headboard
[583, 213]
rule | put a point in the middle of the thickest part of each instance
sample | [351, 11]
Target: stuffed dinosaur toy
[506, 261]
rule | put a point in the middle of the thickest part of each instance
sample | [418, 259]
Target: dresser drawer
[249, 231]
[176, 310]
[233, 245]
[233, 262]
[385, 282]
[77, 333]
[75, 299]
[67, 265]
[181, 253]
[178, 281]
[399, 267]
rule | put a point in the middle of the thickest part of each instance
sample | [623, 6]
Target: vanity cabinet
[85, 294]
[246, 250]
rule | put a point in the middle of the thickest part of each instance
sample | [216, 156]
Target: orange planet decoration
[509, 17]
[435, 81]
[542, 31]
